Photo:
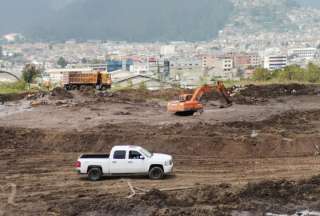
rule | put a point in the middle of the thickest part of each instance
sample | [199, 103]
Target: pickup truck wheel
[156, 173]
[94, 174]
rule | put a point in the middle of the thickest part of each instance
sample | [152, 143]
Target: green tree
[62, 62]
[142, 86]
[296, 72]
[30, 72]
[313, 73]
[97, 61]
[130, 84]
[261, 74]
[84, 61]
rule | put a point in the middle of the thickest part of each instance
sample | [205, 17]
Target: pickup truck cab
[123, 161]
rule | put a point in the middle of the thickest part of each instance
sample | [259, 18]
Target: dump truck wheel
[156, 173]
[200, 111]
[94, 174]
[103, 88]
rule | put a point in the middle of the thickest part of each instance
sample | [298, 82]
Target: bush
[142, 86]
[261, 74]
[313, 74]
[15, 87]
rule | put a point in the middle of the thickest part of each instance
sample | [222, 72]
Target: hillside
[271, 18]
[309, 3]
[139, 20]
[151, 20]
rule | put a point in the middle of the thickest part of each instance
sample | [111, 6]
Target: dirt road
[216, 155]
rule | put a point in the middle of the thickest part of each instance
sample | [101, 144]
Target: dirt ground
[261, 155]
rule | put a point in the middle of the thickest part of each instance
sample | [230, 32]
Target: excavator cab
[185, 97]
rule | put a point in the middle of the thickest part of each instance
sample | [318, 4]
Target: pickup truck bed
[86, 156]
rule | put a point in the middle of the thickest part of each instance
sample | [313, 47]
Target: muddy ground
[260, 155]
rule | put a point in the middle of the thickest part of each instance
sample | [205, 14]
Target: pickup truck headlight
[168, 163]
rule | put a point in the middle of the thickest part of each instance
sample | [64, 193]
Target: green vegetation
[143, 86]
[62, 62]
[84, 61]
[16, 87]
[30, 72]
[292, 73]
[1, 52]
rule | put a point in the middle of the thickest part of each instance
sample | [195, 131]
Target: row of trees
[290, 73]
[1, 52]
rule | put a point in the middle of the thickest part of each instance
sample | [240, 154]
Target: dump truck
[99, 80]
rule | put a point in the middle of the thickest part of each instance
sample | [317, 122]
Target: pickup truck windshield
[146, 152]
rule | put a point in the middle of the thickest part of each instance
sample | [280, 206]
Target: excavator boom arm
[193, 104]
[200, 91]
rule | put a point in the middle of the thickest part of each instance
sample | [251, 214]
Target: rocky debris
[36, 95]
[87, 91]
[36, 103]
[274, 196]
[59, 93]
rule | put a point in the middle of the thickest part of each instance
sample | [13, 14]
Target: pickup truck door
[118, 162]
[136, 162]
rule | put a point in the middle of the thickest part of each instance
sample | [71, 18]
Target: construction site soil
[261, 155]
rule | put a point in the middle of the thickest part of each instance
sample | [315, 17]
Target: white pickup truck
[123, 161]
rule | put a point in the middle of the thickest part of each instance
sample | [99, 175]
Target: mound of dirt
[59, 93]
[142, 95]
[255, 198]
[275, 196]
[291, 134]
[12, 96]
[253, 94]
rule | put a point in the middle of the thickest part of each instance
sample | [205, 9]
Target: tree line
[290, 73]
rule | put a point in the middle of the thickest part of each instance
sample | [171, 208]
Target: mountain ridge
[143, 20]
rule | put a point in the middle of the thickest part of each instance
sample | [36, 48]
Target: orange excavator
[188, 104]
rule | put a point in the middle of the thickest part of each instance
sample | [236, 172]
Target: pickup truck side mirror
[141, 157]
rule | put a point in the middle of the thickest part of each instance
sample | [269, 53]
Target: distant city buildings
[308, 53]
[185, 63]
[275, 62]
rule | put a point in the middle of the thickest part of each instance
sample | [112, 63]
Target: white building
[168, 50]
[275, 62]
[307, 53]
[221, 68]
[139, 67]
